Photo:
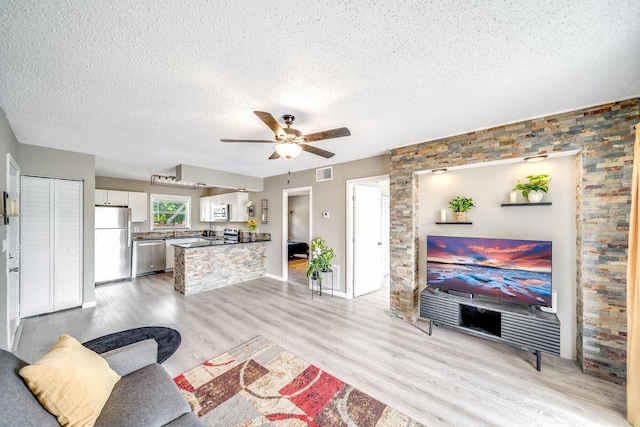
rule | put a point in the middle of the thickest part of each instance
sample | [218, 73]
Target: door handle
[14, 270]
[379, 243]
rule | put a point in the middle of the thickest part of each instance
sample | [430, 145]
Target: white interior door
[13, 253]
[386, 255]
[37, 255]
[367, 240]
[67, 244]
[51, 256]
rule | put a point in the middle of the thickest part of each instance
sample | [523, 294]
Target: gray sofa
[145, 395]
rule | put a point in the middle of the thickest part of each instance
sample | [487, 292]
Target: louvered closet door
[67, 290]
[51, 257]
[36, 261]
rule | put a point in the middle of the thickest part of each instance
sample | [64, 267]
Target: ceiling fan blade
[271, 122]
[318, 151]
[327, 134]
[275, 155]
[247, 140]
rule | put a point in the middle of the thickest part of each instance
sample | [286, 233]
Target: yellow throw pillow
[71, 381]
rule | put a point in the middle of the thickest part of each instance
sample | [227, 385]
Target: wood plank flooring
[448, 379]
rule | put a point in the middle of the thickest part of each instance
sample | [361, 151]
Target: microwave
[221, 213]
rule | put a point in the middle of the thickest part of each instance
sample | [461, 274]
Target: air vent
[324, 174]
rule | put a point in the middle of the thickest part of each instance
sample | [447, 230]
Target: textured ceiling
[148, 85]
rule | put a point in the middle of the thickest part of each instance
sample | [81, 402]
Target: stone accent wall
[606, 137]
[204, 268]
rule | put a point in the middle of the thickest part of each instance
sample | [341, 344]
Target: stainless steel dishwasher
[148, 257]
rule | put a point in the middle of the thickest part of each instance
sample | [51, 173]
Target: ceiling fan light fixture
[288, 149]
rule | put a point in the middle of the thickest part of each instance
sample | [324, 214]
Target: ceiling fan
[291, 142]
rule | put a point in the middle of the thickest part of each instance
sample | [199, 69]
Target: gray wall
[8, 144]
[49, 162]
[299, 218]
[489, 186]
[326, 196]
[146, 187]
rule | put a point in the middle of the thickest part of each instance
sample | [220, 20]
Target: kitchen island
[210, 264]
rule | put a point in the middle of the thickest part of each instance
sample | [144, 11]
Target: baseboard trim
[88, 304]
[273, 276]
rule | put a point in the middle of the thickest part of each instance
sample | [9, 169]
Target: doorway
[13, 252]
[296, 230]
[367, 235]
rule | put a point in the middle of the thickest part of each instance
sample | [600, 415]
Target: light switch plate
[325, 214]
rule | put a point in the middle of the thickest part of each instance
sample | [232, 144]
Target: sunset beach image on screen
[518, 270]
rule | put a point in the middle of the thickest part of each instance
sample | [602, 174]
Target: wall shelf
[504, 205]
[453, 223]
[265, 208]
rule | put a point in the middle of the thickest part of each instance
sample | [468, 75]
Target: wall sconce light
[534, 159]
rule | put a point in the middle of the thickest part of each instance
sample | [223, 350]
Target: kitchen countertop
[210, 241]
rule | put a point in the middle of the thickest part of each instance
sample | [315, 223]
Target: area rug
[168, 340]
[260, 384]
[301, 264]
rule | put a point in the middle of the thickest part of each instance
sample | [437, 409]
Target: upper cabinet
[112, 198]
[135, 200]
[237, 203]
[238, 210]
[138, 205]
[206, 208]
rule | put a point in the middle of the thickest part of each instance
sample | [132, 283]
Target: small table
[316, 285]
[168, 340]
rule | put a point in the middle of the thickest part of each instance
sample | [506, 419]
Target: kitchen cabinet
[206, 208]
[138, 206]
[223, 199]
[237, 203]
[51, 247]
[111, 198]
[238, 207]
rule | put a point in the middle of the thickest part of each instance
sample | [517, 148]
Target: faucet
[175, 228]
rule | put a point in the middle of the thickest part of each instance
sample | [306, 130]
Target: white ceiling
[147, 85]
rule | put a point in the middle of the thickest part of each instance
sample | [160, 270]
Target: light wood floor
[447, 379]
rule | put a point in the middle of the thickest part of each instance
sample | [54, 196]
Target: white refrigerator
[112, 244]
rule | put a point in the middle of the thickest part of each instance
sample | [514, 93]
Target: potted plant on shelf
[460, 206]
[534, 190]
[320, 260]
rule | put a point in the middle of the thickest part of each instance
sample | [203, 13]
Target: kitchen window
[170, 212]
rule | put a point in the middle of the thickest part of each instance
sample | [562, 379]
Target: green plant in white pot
[320, 259]
[460, 206]
[534, 190]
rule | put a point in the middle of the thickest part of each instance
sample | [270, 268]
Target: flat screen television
[518, 270]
